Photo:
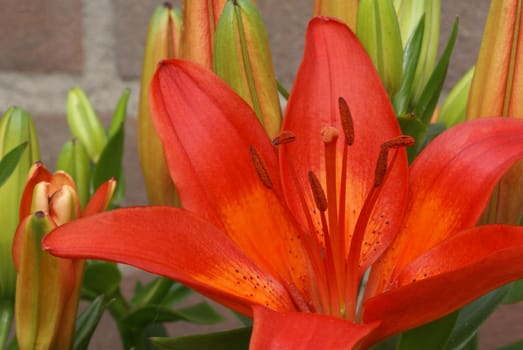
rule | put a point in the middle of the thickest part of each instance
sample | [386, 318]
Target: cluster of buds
[47, 287]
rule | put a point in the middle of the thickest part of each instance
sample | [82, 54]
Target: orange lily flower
[286, 233]
[47, 287]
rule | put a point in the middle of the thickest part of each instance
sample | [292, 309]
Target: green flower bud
[74, 160]
[85, 124]
[379, 32]
[16, 127]
[242, 58]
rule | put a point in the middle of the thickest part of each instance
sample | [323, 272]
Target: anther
[346, 121]
[329, 134]
[284, 137]
[260, 167]
[398, 142]
[317, 191]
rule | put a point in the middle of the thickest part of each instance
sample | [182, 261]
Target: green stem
[6, 319]
[119, 308]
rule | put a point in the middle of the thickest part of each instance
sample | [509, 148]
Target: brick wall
[47, 46]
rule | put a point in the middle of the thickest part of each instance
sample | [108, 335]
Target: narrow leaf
[87, 323]
[9, 162]
[237, 339]
[430, 95]
[431, 336]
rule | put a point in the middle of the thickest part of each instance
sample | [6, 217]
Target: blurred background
[49, 46]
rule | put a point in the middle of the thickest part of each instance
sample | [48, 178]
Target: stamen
[319, 195]
[381, 167]
[260, 167]
[284, 137]
[346, 121]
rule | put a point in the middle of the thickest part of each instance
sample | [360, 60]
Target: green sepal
[430, 336]
[100, 278]
[74, 160]
[454, 107]
[85, 124]
[472, 316]
[237, 339]
[379, 32]
[201, 313]
[432, 90]
[9, 162]
[411, 56]
[87, 322]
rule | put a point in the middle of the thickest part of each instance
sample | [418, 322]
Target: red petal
[37, 173]
[176, 244]
[452, 274]
[207, 131]
[304, 331]
[101, 198]
[336, 65]
[450, 184]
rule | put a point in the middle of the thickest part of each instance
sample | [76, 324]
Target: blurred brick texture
[47, 46]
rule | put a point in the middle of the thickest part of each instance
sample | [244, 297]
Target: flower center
[334, 253]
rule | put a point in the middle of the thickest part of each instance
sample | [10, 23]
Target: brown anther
[381, 167]
[329, 134]
[284, 137]
[261, 169]
[398, 142]
[317, 191]
[168, 5]
[346, 121]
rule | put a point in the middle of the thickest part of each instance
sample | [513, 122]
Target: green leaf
[152, 293]
[432, 90]
[412, 126]
[119, 114]
[516, 346]
[472, 316]
[201, 313]
[9, 162]
[101, 278]
[237, 339]
[431, 336]
[411, 57]
[515, 293]
[110, 163]
[87, 322]
[178, 293]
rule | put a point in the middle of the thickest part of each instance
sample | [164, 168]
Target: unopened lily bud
[410, 13]
[242, 58]
[454, 107]
[74, 160]
[162, 42]
[345, 10]
[16, 127]
[379, 32]
[497, 90]
[85, 124]
[47, 287]
[200, 18]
